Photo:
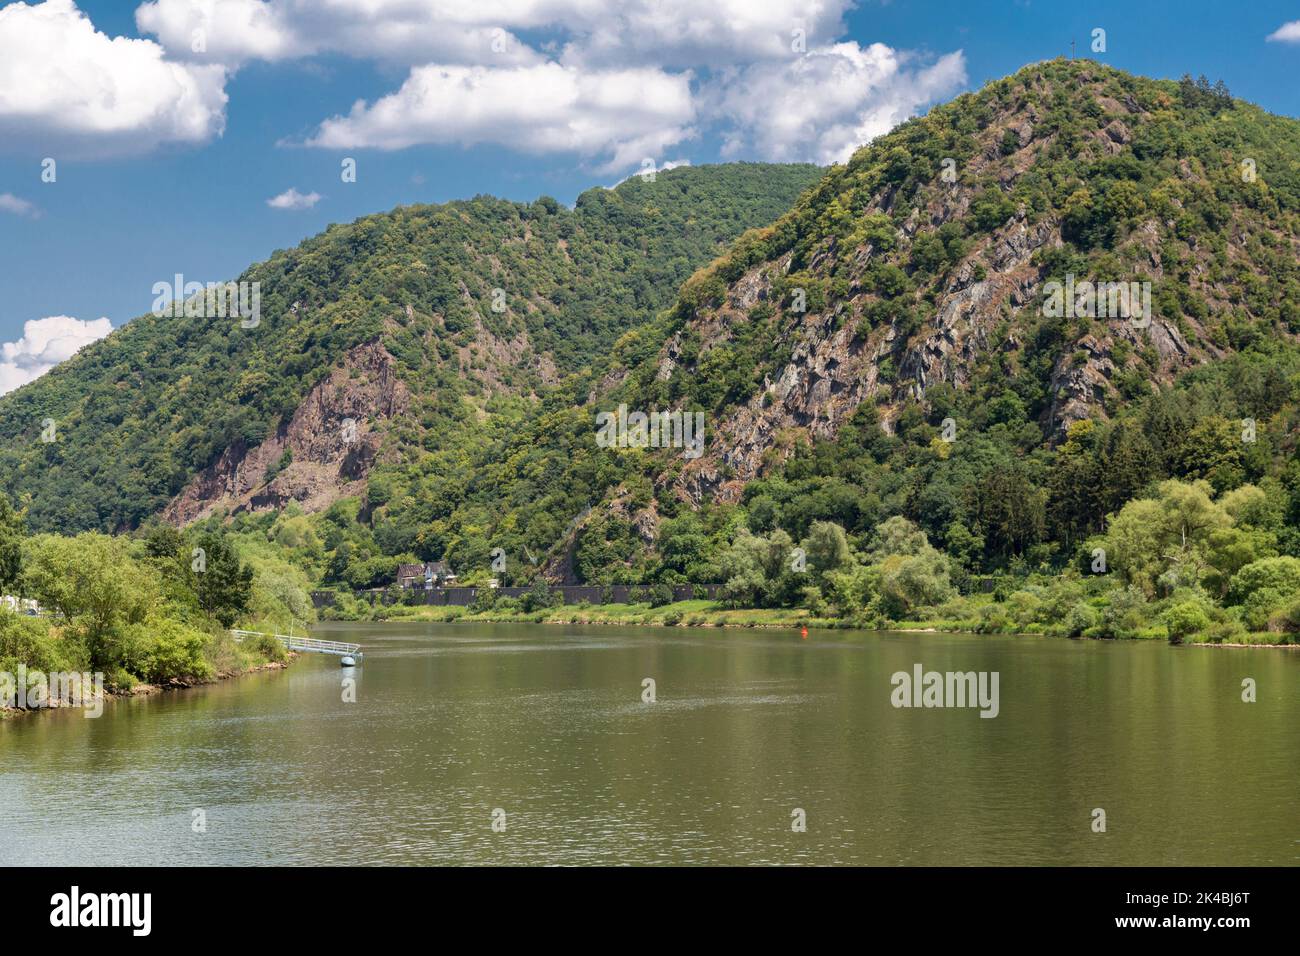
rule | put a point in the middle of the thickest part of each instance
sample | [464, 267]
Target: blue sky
[167, 155]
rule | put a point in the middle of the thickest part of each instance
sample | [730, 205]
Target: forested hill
[886, 349]
[891, 347]
[918, 277]
[426, 313]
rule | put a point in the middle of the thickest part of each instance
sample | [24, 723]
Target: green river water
[548, 725]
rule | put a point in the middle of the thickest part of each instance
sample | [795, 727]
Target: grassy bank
[704, 613]
[693, 613]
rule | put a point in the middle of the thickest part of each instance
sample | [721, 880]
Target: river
[543, 730]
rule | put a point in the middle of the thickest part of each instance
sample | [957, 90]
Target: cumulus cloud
[232, 32]
[613, 82]
[823, 106]
[677, 33]
[1287, 33]
[19, 207]
[292, 199]
[684, 33]
[623, 115]
[45, 343]
[68, 86]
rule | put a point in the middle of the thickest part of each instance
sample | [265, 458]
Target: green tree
[222, 583]
[11, 545]
[92, 582]
[826, 549]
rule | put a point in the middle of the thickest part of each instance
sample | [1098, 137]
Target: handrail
[296, 643]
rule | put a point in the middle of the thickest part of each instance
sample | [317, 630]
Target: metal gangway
[309, 644]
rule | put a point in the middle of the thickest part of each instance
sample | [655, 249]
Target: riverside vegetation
[900, 431]
[153, 608]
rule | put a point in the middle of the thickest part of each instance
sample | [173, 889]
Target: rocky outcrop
[322, 453]
[982, 312]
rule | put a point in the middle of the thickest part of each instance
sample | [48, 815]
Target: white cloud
[65, 85]
[676, 33]
[1287, 33]
[682, 33]
[292, 199]
[823, 106]
[614, 82]
[622, 114]
[19, 207]
[235, 31]
[45, 343]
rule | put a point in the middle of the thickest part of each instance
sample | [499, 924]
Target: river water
[543, 730]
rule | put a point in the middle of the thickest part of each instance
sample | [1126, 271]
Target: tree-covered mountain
[889, 348]
[907, 374]
[435, 312]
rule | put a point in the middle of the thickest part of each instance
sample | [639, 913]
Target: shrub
[661, 594]
[1280, 573]
[1287, 620]
[484, 600]
[1184, 620]
[1224, 632]
[539, 597]
[1260, 606]
[28, 641]
[266, 647]
[1080, 618]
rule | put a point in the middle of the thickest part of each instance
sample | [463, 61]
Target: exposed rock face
[329, 444]
[833, 369]
[980, 316]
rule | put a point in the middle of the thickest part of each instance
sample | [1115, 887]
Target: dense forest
[135, 415]
[1041, 478]
[899, 428]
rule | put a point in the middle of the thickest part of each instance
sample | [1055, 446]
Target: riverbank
[705, 613]
[229, 661]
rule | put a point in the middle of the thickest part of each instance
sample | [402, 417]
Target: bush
[266, 647]
[1224, 632]
[1185, 620]
[484, 600]
[661, 594]
[28, 641]
[117, 680]
[539, 597]
[1125, 615]
[1260, 606]
[1280, 573]
[1287, 620]
[1081, 618]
